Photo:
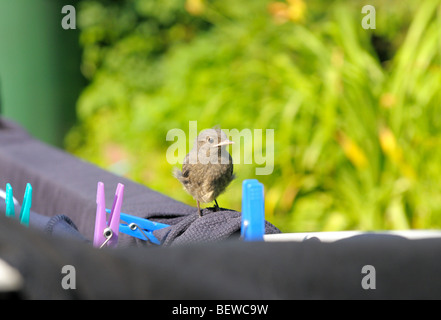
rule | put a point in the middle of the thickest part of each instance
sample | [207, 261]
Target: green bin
[40, 77]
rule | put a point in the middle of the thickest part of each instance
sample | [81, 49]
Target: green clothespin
[25, 207]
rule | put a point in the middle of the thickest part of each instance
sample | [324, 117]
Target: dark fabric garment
[59, 225]
[212, 226]
[65, 187]
[223, 270]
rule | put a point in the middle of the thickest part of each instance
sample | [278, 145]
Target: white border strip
[330, 236]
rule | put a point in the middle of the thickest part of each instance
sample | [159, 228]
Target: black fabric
[59, 225]
[224, 270]
[212, 226]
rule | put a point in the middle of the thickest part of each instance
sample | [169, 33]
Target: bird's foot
[199, 209]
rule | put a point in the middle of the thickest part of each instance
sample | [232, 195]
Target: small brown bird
[208, 168]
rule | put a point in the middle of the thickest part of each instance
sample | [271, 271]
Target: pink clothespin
[106, 232]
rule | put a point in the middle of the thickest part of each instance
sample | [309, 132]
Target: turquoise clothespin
[10, 206]
[25, 207]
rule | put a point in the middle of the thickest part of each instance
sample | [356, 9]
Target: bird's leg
[199, 208]
[216, 207]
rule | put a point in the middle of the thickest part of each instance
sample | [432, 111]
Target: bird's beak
[224, 143]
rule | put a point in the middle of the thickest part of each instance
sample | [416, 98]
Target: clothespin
[10, 204]
[140, 228]
[106, 232]
[253, 211]
[25, 207]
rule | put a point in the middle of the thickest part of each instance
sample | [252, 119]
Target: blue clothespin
[25, 207]
[139, 228]
[253, 210]
[106, 232]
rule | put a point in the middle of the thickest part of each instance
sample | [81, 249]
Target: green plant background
[355, 112]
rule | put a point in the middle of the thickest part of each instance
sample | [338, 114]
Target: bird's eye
[210, 139]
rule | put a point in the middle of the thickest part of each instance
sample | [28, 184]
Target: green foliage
[355, 111]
